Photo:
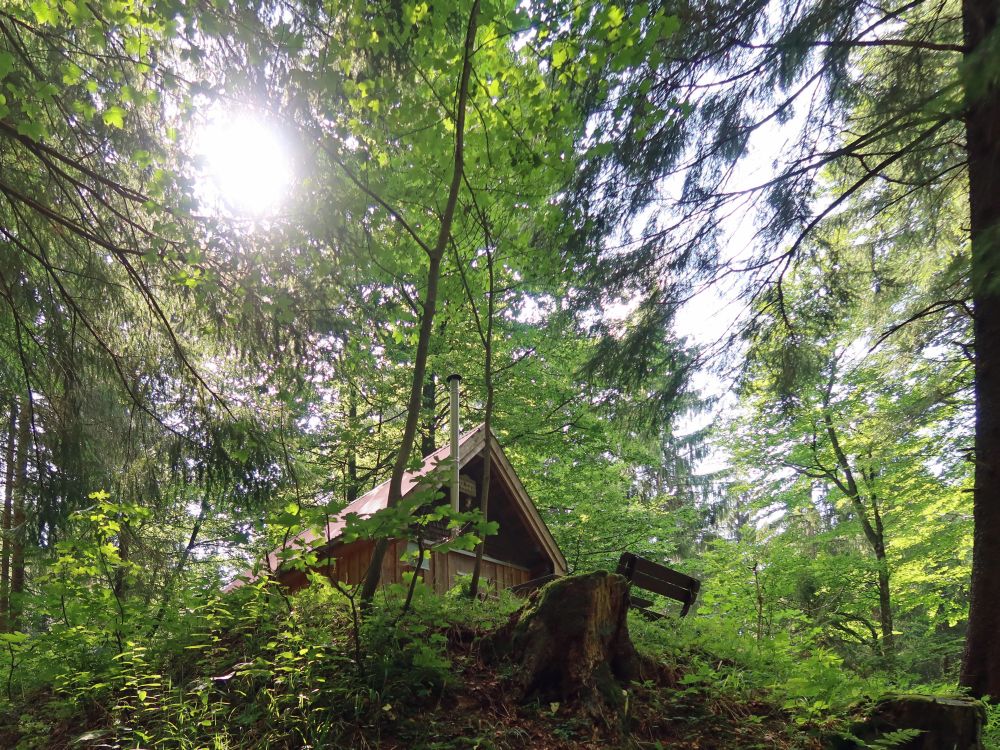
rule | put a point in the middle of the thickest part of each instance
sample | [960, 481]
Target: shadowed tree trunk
[884, 600]
[981, 663]
[18, 517]
[6, 521]
[867, 511]
[484, 494]
[120, 586]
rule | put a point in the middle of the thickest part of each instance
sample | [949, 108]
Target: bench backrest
[659, 579]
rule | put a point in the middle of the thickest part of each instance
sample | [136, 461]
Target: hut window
[412, 553]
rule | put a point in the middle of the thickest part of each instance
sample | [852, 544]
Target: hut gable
[522, 550]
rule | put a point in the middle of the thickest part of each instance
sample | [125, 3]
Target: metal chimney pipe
[453, 381]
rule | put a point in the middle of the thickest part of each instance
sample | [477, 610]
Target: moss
[570, 644]
[944, 722]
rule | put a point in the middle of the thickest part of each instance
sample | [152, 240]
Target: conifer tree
[898, 101]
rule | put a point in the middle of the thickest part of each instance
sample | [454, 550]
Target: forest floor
[260, 672]
[669, 711]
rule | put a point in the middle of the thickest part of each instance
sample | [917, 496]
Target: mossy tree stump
[944, 723]
[571, 644]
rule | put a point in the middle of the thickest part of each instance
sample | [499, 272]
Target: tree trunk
[875, 534]
[981, 663]
[884, 604]
[884, 601]
[374, 573]
[427, 442]
[120, 585]
[435, 256]
[168, 586]
[571, 644]
[352, 450]
[6, 520]
[484, 495]
[18, 517]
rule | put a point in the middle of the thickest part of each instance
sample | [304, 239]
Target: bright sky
[246, 164]
[246, 171]
[713, 312]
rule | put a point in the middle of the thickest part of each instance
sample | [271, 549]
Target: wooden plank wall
[352, 563]
[446, 567]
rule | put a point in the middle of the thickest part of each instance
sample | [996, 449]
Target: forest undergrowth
[258, 669]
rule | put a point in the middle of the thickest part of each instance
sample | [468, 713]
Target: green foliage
[991, 732]
[246, 671]
[719, 656]
[897, 738]
[234, 383]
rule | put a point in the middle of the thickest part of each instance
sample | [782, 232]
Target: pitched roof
[470, 444]
[377, 498]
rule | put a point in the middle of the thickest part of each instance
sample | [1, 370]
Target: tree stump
[571, 644]
[944, 723]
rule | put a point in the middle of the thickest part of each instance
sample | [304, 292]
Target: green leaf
[6, 64]
[115, 117]
[72, 74]
[44, 13]
[31, 129]
[560, 53]
[601, 149]
[669, 25]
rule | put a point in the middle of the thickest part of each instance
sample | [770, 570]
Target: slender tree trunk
[6, 521]
[374, 572]
[884, 604]
[352, 449]
[981, 662]
[18, 517]
[430, 302]
[874, 532]
[427, 443]
[876, 540]
[168, 586]
[484, 494]
[884, 601]
[416, 576]
[120, 586]
[885, 607]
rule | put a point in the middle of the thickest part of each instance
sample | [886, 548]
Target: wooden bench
[658, 579]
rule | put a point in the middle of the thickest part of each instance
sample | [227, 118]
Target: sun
[246, 164]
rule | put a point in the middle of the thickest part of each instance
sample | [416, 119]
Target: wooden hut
[521, 551]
